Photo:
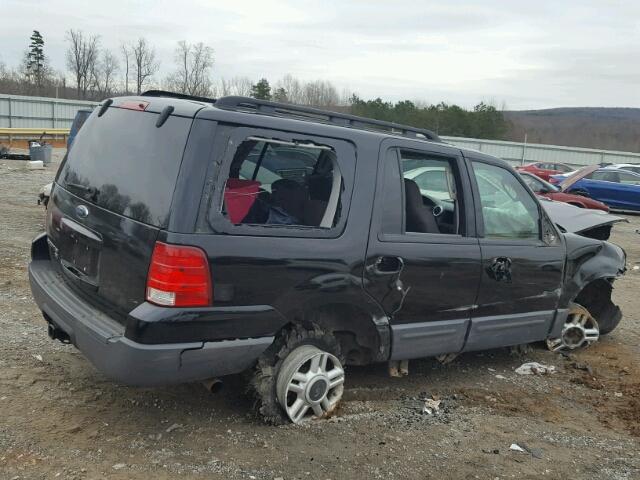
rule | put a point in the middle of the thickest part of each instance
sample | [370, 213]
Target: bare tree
[9, 81]
[320, 93]
[126, 54]
[145, 65]
[82, 56]
[240, 86]
[103, 75]
[292, 86]
[193, 75]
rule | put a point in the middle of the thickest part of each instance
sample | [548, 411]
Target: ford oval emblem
[82, 211]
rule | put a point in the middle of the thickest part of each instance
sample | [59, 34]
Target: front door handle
[500, 269]
[386, 266]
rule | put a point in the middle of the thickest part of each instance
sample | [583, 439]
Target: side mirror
[543, 190]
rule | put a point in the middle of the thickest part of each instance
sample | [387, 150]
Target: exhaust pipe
[213, 385]
[56, 333]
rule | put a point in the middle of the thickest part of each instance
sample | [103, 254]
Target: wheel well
[596, 297]
[354, 328]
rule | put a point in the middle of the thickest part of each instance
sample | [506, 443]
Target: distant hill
[604, 128]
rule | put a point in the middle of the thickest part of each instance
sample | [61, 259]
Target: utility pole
[524, 148]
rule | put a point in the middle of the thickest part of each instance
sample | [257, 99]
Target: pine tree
[36, 62]
[280, 95]
[261, 90]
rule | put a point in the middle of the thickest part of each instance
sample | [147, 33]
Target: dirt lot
[59, 418]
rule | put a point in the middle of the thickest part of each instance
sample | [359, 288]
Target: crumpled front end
[591, 269]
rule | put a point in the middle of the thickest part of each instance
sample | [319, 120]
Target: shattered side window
[508, 210]
[273, 182]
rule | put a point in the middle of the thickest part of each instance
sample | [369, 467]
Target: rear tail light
[179, 277]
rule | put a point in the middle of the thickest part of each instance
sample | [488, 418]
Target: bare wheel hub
[310, 383]
[580, 329]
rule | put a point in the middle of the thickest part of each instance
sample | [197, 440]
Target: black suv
[190, 238]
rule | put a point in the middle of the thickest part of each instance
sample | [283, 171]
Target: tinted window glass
[534, 184]
[604, 175]
[508, 210]
[537, 184]
[563, 168]
[123, 163]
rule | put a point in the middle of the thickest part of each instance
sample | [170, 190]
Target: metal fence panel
[517, 153]
[17, 111]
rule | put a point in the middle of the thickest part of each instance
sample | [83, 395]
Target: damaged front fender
[591, 268]
[589, 260]
[588, 223]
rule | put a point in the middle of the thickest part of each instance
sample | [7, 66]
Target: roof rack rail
[315, 114]
[183, 96]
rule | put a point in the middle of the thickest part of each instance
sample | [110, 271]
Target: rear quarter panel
[293, 275]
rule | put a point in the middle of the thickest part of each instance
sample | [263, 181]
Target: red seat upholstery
[239, 196]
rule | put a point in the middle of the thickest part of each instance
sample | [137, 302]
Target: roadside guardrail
[19, 137]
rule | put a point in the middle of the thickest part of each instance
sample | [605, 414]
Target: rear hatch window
[122, 162]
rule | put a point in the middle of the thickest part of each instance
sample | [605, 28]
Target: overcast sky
[523, 54]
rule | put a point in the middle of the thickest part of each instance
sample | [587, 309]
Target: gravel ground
[62, 419]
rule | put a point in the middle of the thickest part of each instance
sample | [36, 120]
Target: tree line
[95, 72]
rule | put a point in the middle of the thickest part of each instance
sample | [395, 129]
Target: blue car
[78, 122]
[619, 189]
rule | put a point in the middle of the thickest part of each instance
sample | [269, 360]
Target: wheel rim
[310, 383]
[580, 329]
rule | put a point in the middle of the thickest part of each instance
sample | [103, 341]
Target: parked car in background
[587, 222]
[78, 122]
[619, 189]
[544, 170]
[546, 189]
[629, 167]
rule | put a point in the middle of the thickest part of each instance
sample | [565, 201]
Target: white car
[630, 167]
[45, 193]
[434, 182]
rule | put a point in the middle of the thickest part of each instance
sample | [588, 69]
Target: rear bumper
[102, 340]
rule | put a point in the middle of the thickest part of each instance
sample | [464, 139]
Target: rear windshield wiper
[90, 190]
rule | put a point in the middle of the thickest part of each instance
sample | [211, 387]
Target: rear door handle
[386, 266]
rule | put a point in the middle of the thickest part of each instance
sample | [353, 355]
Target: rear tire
[293, 350]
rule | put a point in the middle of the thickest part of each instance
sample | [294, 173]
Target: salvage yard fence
[518, 153]
[39, 114]
[17, 111]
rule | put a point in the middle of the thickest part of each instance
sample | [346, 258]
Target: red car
[545, 189]
[544, 170]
